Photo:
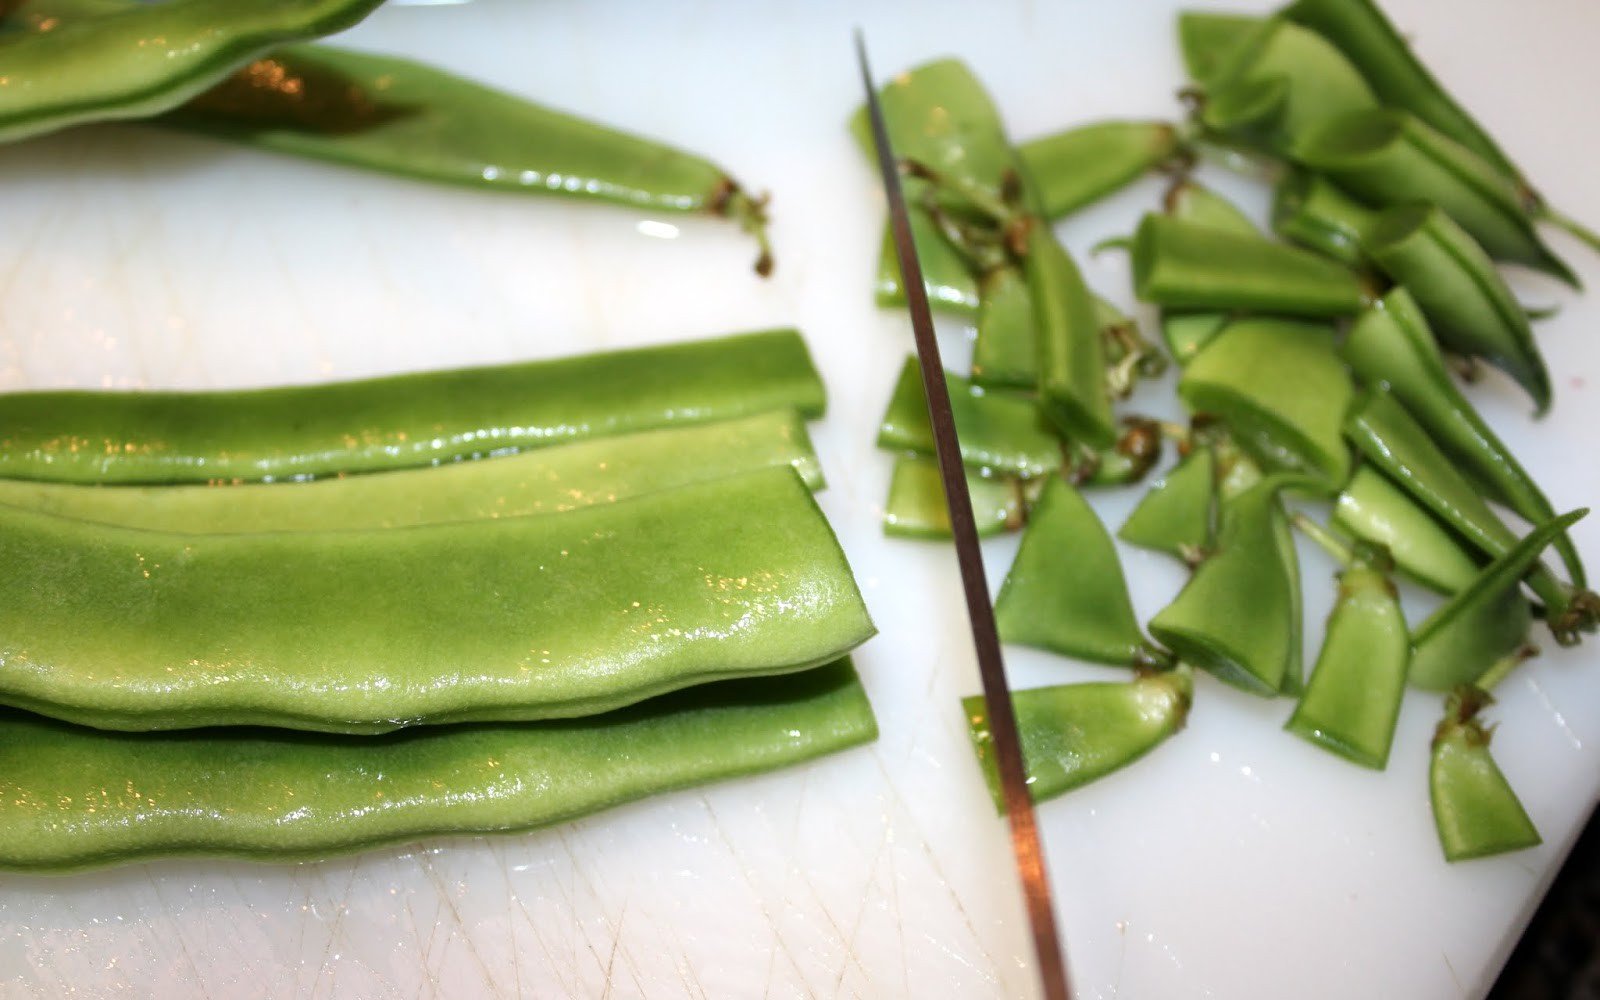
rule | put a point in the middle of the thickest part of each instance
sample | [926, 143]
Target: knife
[1029, 853]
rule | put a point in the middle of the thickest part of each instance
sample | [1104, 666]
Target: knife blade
[1025, 844]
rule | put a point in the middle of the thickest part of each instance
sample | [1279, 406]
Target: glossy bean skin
[546, 481]
[1235, 616]
[1373, 45]
[366, 631]
[1072, 389]
[75, 62]
[1388, 158]
[916, 506]
[74, 798]
[1177, 515]
[1475, 811]
[1073, 734]
[1352, 701]
[400, 116]
[1179, 265]
[1065, 591]
[1282, 390]
[1486, 620]
[1309, 210]
[1467, 303]
[1390, 344]
[398, 421]
[1373, 508]
[1077, 167]
[1001, 433]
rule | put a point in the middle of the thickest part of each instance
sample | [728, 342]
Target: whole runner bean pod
[1078, 167]
[1177, 514]
[1352, 702]
[1065, 592]
[398, 421]
[1391, 345]
[1309, 210]
[73, 798]
[1283, 392]
[916, 506]
[1373, 508]
[1181, 265]
[1006, 434]
[1392, 441]
[1485, 621]
[1314, 78]
[1474, 809]
[400, 116]
[546, 481]
[1072, 362]
[1235, 615]
[76, 63]
[365, 631]
[1466, 301]
[1073, 734]
[1387, 158]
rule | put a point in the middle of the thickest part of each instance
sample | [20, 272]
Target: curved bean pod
[73, 798]
[365, 631]
[399, 421]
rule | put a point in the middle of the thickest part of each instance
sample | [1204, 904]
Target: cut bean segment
[1485, 621]
[399, 116]
[1188, 333]
[74, 798]
[1072, 169]
[1005, 353]
[1005, 434]
[1073, 734]
[1309, 210]
[1194, 203]
[1466, 301]
[1372, 508]
[1177, 515]
[1474, 809]
[1065, 592]
[1072, 361]
[546, 481]
[916, 507]
[1207, 40]
[399, 421]
[366, 631]
[1388, 158]
[1180, 265]
[1391, 345]
[1283, 392]
[1352, 702]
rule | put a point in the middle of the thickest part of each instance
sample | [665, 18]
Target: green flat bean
[1065, 592]
[1281, 388]
[1072, 363]
[916, 506]
[1077, 167]
[1474, 809]
[1391, 345]
[364, 631]
[69, 63]
[1005, 352]
[1181, 265]
[1387, 158]
[1373, 508]
[1484, 621]
[547, 481]
[1189, 201]
[947, 274]
[1005, 434]
[1188, 333]
[399, 116]
[1466, 301]
[73, 798]
[1309, 210]
[398, 421]
[1235, 616]
[1352, 701]
[1176, 515]
[1207, 40]
[1073, 734]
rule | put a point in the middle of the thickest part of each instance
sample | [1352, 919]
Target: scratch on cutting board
[1452, 970]
[760, 900]
[183, 944]
[423, 948]
[579, 873]
[335, 929]
[616, 940]
[455, 915]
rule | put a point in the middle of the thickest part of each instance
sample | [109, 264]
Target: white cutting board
[1237, 862]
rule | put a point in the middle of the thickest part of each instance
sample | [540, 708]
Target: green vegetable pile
[1314, 368]
[284, 623]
